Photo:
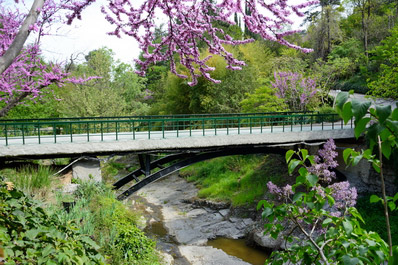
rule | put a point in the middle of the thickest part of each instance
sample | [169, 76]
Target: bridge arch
[182, 160]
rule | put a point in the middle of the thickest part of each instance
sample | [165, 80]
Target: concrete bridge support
[87, 169]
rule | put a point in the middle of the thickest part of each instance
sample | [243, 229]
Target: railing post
[250, 124]
[38, 132]
[116, 129]
[23, 134]
[149, 129]
[133, 131]
[102, 131]
[215, 127]
[163, 128]
[238, 125]
[190, 128]
[322, 121]
[70, 131]
[6, 131]
[227, 127]
[55, 133]
[261, 124]
[291, 124]
[311, 120]
[272, 126]
[88, 133]
[203, 126]
[301, 123]
[177, 125]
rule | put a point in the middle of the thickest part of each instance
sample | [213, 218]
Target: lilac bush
[296, 90]
[324, 216]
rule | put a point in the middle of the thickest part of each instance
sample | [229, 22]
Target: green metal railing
[158, 127]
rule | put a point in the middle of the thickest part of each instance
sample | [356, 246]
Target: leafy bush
[327, 110]
[356, 83]
[110, 223]
[29, 235]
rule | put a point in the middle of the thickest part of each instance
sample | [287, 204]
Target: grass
[373, 214]
[240, 180]
[32, 180]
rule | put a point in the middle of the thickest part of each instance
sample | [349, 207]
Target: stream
[190, 233]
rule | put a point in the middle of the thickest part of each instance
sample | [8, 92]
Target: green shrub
[327, 118]
[29, 235]
[110, 223]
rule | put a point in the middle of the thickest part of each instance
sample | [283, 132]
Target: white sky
[89, 34]
[86, 35]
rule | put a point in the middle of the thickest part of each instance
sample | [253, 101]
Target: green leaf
[359, 108]
[31, 234]
[376, 166]
[394, 258]
[347, 260]
[267, 212]
[346, 154]
[327, 221]
[298, 196]
[347, 112]
[347, 227]
[289, 155]
[304, 153]
[374, 198]
[293, 164]
[354, 212]
[331, 200]
[394, 115]
[386, 149]
[356, 159]
[360, 126]
[392, 206]
[312, 179]
[395, 197]
[47, 250]
[393, 125]
[373, 131]
[383, 112]
[300, 180]
[341, 98]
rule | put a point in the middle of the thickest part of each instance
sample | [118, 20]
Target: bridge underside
[143, 176]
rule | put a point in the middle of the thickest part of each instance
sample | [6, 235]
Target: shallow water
[239, 249]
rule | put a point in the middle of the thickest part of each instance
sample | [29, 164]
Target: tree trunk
[23, 33]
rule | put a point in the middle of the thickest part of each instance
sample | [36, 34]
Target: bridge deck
[130, 136]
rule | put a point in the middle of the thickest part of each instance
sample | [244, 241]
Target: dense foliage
[29, 235]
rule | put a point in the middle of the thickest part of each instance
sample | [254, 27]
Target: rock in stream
[192, 225]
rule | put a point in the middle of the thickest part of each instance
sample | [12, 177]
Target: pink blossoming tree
[23, 75]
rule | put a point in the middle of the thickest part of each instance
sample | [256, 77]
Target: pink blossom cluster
[28, 74]
[294, 89]
[344, 195]
[325, 161]
[190, 22]
[284, 192]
